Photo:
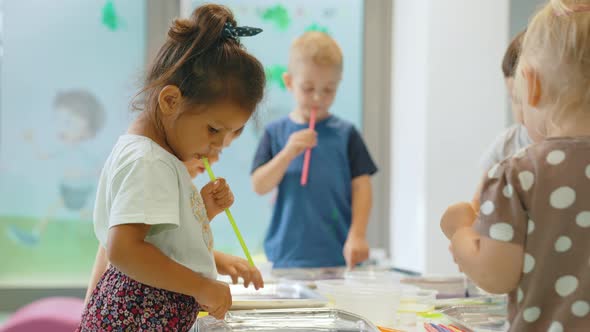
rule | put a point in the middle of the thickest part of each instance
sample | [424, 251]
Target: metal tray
[275, 296]
[290, 320]
[309, 274]
[479, 318]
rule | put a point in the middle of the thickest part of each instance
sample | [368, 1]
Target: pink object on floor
[54, 314]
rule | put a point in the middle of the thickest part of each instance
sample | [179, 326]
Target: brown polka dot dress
[540, 199]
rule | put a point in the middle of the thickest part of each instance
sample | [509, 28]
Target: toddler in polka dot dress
[531, 237]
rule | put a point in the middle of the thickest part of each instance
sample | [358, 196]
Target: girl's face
[194, 134]
[196, 166]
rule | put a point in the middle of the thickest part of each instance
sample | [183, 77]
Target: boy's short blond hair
[317, 47]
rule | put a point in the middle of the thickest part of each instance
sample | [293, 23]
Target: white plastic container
[374, 277]
[451, 286]
[417, 301]
[413, 303]
[376, 302]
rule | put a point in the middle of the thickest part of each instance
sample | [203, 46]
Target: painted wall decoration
[65, 83]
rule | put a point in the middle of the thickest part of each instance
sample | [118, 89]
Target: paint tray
[275, 296]
[289, 320]
[479, 318]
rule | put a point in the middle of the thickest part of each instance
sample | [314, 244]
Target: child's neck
[300, 117]
[574, 126]
[144, 126]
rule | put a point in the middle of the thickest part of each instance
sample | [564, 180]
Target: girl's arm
[131, 254]
[494, 266]
[100, 266]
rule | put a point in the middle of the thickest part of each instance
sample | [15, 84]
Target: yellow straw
[230, 216]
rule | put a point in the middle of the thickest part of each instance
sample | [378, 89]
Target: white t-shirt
[143, 183]
[510, 141]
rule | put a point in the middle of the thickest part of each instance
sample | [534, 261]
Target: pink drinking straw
[307, 156]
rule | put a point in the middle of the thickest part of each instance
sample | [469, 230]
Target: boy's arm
[266, 177]
[356, 248]
[100, 266]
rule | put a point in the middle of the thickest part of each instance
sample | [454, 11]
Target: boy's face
[313, 86]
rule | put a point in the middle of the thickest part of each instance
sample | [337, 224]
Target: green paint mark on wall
[278, 15]
[274, 75]
[317, 27]
[110, 19]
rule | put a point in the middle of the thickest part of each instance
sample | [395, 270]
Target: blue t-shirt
[310, 224]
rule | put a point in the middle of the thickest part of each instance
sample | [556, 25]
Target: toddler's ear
[169, 99]
[534, 89]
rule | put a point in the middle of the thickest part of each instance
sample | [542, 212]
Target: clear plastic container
[417, 301]
[374, 277]
[377, 302]
[447, 286]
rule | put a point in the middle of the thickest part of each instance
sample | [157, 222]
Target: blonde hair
[317, 47]
[557, 47]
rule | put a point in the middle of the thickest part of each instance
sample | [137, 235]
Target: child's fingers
[349, 263]
[221, 194]
[257, 279]
[314, 140]
[219, 184]
[206, 308]
[224, 203]
[244, 272]
[348, 258]
[356, 256]
[218, 313]
[207, 189]
[233, 274]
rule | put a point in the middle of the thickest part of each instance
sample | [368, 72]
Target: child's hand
[215, 297]
[300, 141]
[217, 197]
[453, 255]
[236, 267]
[356, 250]
[457, 216]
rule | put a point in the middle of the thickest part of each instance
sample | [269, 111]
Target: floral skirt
[120, 303]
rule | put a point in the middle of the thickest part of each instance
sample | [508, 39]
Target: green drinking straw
[230, 216]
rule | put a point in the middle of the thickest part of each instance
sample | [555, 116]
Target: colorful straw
[230, 216]
[307, 156]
